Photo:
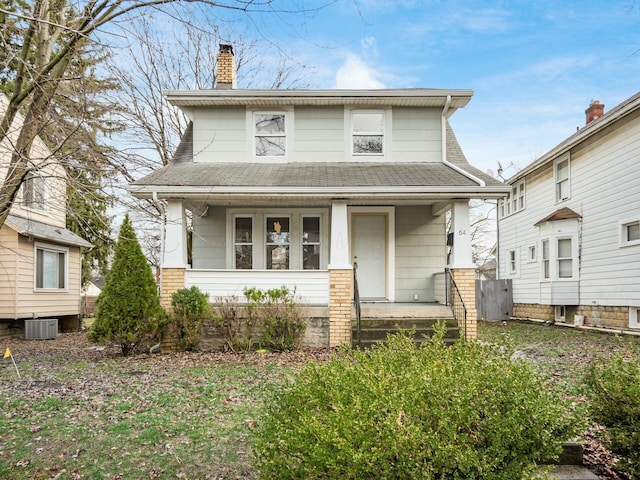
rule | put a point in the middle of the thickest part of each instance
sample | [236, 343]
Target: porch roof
[43, 231]
[346, 179]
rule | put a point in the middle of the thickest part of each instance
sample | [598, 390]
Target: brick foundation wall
[340, 286]
[465, 279]
[594, 315]
[172, 280]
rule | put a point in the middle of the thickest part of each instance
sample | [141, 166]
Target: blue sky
[534, 65]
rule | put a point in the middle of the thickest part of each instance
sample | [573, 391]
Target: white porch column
[339, 254]
[175, 244]
[461, 252]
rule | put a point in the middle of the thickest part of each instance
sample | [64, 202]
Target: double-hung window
[278, 244]
[50, 267]
[565, 258]
[243, 243]
[311, 243]
[367, 132]
[515, 200]
[33, 193]
[546, 271]
[562, 179]
[270, 134]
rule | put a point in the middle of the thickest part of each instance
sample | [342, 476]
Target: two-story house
[39, 258]
[569, 231]
[295, 187]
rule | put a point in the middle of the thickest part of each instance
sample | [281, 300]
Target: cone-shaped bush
[128, 309]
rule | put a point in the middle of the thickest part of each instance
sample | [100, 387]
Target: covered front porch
[400, 252]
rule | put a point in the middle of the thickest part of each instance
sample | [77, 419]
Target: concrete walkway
[572, 472]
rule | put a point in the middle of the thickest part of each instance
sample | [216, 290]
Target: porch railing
[356, 302]
[454, 299]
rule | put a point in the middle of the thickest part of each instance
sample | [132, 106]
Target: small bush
[237, 330]
[279, 316]
[402, 412]
[190, 308]
[615, 404]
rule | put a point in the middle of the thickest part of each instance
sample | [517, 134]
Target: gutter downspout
[445, 117]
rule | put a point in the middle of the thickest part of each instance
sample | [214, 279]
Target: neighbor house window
[33, 193]
[270, 134]
[367, 130]
[51, 268]
[515, 200]
[562, 178]
[513, 265]
[278, 242]
[311, 243]
[630, 233]
[565, 260]
[243, 243]
[546, 273]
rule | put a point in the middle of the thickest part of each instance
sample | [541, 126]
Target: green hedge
[402, 412]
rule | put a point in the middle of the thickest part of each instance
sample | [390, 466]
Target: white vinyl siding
[605, 191]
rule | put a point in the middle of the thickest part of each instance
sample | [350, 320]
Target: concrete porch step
[404, 310]
[374, 330]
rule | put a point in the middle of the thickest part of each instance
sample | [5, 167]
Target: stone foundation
[594, 315]
[340, 294]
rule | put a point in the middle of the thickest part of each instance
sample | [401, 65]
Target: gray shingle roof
[306, 174]
[43, 231]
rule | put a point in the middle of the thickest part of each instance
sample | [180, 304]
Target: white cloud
[355, 73]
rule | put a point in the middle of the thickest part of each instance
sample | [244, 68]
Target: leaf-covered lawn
[83, 412]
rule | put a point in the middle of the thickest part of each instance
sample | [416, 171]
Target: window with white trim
[311, 242]
[278, 242]
[630, 233]
[531, 253]
[562, 174]
[546, 270]
[243, 242]
[34, 191]
[513, 262]
[51, 267]
[270, 137]
[564, 258]
[560, 313]
[367, 132]
[515, 200]
[634, 317]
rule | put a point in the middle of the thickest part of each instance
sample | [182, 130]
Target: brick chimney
[595, 111]
[226, 78]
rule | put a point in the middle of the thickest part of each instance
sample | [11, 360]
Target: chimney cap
[226, 48]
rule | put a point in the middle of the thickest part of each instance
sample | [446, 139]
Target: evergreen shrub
[127, 310]
[190, 308]
[615, 404]
[398, 411]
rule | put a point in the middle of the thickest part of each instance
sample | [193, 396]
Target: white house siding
[605, 190]
[209, 239]
[420, 252]
[8, 271]
[219, 135]
[311, 286]
[46, 304]
[319, 134]
[416, 135]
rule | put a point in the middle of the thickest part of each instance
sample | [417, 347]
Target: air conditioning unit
[41, 329]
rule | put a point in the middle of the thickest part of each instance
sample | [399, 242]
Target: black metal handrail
[454, 298]
[356, 302]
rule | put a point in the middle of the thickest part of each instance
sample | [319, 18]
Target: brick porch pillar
[465, 279]
[340, 307]
[172, 280]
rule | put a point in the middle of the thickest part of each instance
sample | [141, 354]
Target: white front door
[370, 253]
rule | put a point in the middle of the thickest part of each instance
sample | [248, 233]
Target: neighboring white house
[294, 187]
[39, 257]
[569, 231]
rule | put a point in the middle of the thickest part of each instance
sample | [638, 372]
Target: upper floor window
[515, 200]
[562, 178]
[50, 267]
[367, 131]
[33, 192]
[270, 134]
